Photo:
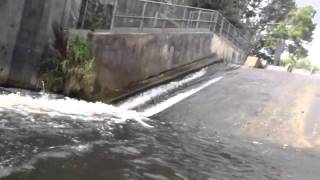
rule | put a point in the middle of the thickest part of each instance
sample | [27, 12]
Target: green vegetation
[70, 67]
[289, 33]
[231, 9]
[288, 61]
[94, 14]
[303, 63]
[271, 24]
[298, 28]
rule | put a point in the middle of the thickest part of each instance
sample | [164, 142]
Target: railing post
[211, 21]
[63, 17]
[185, 18]
[189, 23]
[155, 21]
[228, 31]
[198, 20]
[221, 28]
[215, 22]
[114, 14]
[142, 15]
[84, 14]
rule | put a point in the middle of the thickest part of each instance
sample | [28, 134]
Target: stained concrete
[125, 59]
[261, 105]
[24, 36]
[10, 13]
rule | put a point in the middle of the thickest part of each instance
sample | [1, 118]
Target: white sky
[314, 50]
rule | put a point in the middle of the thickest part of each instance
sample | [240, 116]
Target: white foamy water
[153, 110]
[88, 111]
[75, 109]
[142, 98]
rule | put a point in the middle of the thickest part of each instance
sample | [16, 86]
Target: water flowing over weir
[72, 108]
[50, 137]
[144, 97]
[44, 138]
[24, 117]
[49, 115]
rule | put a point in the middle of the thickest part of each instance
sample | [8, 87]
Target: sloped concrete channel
[244, 126]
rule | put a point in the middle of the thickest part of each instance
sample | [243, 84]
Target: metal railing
[147, 15]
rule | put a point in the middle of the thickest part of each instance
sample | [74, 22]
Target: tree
[271, 24]
[231, 9]
[293, 32]
[95, 14]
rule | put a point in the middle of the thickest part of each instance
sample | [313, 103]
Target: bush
[78, 67]
[288, 61]
[303, 64]
[70, 67]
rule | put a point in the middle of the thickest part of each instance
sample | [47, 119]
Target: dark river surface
[50, 138]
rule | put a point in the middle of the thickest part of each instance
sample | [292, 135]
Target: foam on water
[73, 108]
[142, 98]
[153, 110]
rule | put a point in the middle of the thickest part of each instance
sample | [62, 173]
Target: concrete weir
[129, 60]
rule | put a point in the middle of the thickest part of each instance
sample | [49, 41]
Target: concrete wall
[25, 32]
[123, 59]
[127, 59]
[10, 13]
[227, 51]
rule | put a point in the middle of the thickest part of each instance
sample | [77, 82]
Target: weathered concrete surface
[10, 13]
[261, 105]
[25, 32]
[125, 59]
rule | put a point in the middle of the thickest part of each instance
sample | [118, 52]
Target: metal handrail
[147, 14]
[233, 36]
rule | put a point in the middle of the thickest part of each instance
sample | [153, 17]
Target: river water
[46, 137]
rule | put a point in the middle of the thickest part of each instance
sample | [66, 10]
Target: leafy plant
[70, 67]
[288, 61]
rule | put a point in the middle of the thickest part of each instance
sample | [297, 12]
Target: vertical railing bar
[62, 21]
[114, 14]
[84, 14]
[189, 19]
[215, 22]
[198, 20]
[142, 15]
[156, 17]
[222, 26]
[164, 23]
[211, 21]
[184, 17]
[228, 31]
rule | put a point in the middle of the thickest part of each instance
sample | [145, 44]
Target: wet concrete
[275, 106]
[252, 124]
[268, 108]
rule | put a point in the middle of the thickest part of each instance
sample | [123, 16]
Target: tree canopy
[294, 32]
[274, 25]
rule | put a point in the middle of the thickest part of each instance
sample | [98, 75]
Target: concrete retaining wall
[25, 32]
[124, 60]
[10, 13]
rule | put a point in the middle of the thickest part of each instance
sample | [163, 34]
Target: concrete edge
[166, 77]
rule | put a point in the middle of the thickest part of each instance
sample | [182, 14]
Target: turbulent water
[45, 137]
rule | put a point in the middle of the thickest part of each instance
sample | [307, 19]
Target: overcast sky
[314, 50]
